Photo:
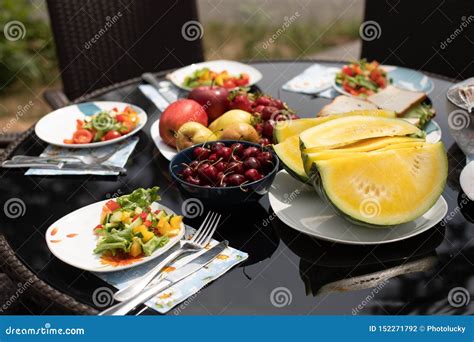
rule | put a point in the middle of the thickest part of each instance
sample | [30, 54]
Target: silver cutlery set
[87, 162]
[143, 290]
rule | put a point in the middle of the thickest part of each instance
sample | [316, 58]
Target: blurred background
[233, 30]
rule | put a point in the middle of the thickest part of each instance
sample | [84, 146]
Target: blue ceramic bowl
[248, 192]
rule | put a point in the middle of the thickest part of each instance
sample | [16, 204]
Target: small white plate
[234, 68]
[61, 124]
[72, 240]
[298, 206]
[167, 151]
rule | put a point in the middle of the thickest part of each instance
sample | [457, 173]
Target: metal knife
[61, 166]
[194, 265]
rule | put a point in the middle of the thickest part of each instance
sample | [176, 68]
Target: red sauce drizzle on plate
[118, 260]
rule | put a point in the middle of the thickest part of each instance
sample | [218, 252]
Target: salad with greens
[131, 226]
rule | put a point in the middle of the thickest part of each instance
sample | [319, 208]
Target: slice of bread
[344, 104]
[396, 99]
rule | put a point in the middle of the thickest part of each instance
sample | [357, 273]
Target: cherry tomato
[229, 84]
[82, 136]
[112, 135]
[347, 70]
[112, 205]
[127, 126]
[120, 118]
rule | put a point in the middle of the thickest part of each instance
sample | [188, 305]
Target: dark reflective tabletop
[287, 272]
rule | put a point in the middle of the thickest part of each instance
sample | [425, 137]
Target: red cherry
[264, 141]
[250, 152]
[210, 173]
[224, 153]
[253, 175]
[235, 179]
[259, 128]
[187, 172]
[235, 167]
[201, 153]
[237, 148]
[217, 146]
[192, 180]
[212, 157]
[221, 166]
[194, 164]
[251, 163]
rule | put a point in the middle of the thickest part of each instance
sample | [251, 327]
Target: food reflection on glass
[130, 227]
[362, 78]
[104, 125]
[207, 77]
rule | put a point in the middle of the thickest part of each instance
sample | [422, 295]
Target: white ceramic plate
[167, 151]
[234, 68]
[61, 124]
[72, 240]
[298, 206]
[403, 78]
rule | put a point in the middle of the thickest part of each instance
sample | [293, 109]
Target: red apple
[212, 98]
[177, 114]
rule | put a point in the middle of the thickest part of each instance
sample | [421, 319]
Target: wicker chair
[102, 42]
[415, 34]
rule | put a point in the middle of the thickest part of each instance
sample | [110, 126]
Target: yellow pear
[239, 131]
[231, 117]
[192, 133]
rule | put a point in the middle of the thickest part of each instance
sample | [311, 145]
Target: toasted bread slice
[396, 99]
[344, 104]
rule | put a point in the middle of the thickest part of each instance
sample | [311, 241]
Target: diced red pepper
[143, 215]
[157, 212]
[112, 205]
[147, 223]
[135, 218]
[97, 228]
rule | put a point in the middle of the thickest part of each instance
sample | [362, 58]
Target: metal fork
[88, 159]
[199, 241]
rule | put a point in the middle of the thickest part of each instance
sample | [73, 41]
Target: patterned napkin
[119, 158]
[315, 80]
[187, 287]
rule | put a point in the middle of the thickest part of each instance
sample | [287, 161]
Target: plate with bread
[413, 106]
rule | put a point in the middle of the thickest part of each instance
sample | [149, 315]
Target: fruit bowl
[213, 192]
